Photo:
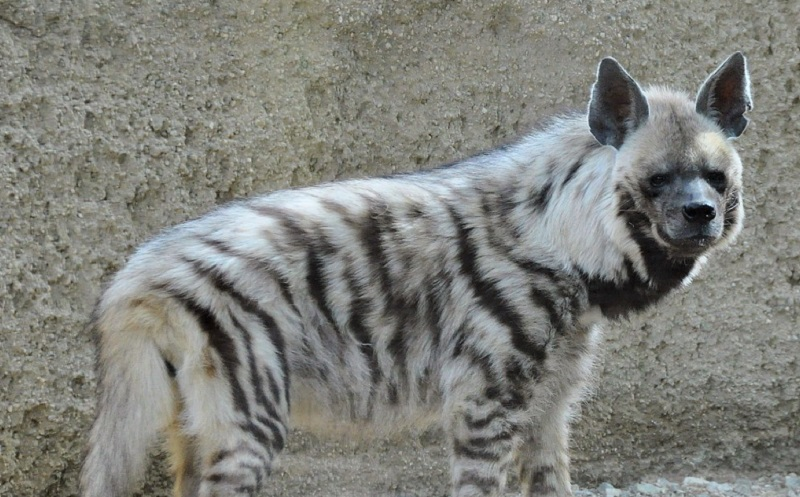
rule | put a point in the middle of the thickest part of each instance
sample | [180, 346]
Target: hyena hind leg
[222, 449]
[184, 461]
[224, 457]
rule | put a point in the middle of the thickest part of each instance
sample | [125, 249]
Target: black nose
[699, 212]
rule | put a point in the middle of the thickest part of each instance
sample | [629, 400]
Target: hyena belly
[474, 291]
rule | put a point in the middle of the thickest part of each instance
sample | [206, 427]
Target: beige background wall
[120, 118]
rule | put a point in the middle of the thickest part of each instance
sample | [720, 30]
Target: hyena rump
[473, 290]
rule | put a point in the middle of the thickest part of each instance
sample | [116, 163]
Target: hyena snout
[692, 217]
[697, 202]
[699, 212]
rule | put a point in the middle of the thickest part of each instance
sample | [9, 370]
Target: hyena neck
[619, 297]
[650, 271]
[568, 214]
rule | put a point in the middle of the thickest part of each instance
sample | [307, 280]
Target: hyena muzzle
[474, 291]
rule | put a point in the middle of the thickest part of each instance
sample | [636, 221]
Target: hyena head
[677, 176]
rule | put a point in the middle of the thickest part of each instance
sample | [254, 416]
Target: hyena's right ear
[725, 96]
[618, 105]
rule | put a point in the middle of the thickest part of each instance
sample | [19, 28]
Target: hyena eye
[658, 180]
[716, 179]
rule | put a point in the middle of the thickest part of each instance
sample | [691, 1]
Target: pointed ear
[724, 97]
[618, 105]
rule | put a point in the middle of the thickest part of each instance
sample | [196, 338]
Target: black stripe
[359, 308]
[486, 484]
[255, 374]
[398, 344]
[246, 489]
[221, 456]
[516, 399]
[368, 229]
[241, 449]
[221, 342]
[504, 200]
[424, 384]
[286, 292]
[433, 313]
[496, 390]
[249, 305]
[391, 390]
[231, 478]
[294, 232]
[262, 265]
[519, 375]
[460, 342]
[530, 266]
[375, 224]
[572, 171]
[479, 423]
[535, 268]
[318, 287]
[475, 453]
[543, 300]
[378, 229]
[489, 295]
[372, 232]
[542, 198]
[397, 347]
[276, 428]
[483, 362]
[171, 371]
[502, 436]
[259, 433]
[338, 208]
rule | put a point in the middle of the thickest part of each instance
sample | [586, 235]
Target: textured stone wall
[120, 118]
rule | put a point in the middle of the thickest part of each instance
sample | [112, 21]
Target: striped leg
[225, 453]
[544, 456]
[234, 411]
[233, 380]
[483, 442]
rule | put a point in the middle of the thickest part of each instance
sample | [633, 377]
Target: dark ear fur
[618, 105]
[724, 97]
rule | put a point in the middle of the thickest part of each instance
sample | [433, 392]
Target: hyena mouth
[690, 245]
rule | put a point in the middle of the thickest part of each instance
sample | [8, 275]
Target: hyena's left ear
[618, 105]
[725, 96]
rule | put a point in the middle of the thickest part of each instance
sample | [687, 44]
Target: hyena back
[474, 290]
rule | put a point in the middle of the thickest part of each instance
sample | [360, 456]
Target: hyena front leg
[544, 456]
[483, 438]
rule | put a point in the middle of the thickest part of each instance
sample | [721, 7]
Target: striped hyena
[473, 291]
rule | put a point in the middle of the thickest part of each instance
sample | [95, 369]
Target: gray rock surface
[118, 119]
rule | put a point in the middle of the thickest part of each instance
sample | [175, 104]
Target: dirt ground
[118, 119]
